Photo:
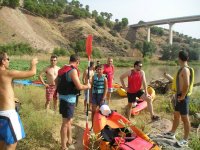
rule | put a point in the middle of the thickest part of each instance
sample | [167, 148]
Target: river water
[156, 72]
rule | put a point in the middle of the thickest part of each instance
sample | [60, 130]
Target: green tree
[139, 45]
[124, 22]
[94, 14]
[170, 52]
[11, 3]
[100, 21]
[148, 48]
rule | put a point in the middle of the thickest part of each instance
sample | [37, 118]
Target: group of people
[66, 82]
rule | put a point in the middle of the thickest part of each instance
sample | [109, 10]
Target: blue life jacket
[98, 84]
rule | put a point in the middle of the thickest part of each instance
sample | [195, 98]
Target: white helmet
[105, 110]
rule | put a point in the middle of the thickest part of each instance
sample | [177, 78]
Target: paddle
[87, 132]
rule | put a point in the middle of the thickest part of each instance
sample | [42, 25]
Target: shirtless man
[11, 129]
[184, 85]
[51, 73]
[85, 80]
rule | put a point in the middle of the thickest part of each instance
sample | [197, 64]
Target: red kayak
[118, 133]
[141, 104]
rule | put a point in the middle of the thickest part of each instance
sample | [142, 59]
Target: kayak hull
[115, 121]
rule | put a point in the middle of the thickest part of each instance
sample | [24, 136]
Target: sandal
[71, 143]
[155, 118]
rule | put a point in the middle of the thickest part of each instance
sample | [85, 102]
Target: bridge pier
[148, 33]
[171, 33]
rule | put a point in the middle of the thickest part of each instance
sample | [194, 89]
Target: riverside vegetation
[42, 128]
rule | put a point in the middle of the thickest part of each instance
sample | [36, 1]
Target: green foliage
[118, 26]
[124, 22]
[38, 129]
[194, 54]
[109, 24]
[100, 21]
[93, 26]
[170, 52]
[194, 142]
[139, 45]
[96, 53]
[157, 30]
[60, 51]
[78, 46]
[11, 3]
[113, 33]
[148, 48]
[17, 49]
[47, 9]
[80, 13]
[94, 14]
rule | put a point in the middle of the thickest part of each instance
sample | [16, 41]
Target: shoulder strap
[177, 81]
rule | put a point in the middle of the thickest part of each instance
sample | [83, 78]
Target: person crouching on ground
[99, 89]
[136, 77]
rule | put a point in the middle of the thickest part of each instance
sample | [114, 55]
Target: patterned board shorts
[51, 93]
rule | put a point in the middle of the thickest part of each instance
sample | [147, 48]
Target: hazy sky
[150, 10]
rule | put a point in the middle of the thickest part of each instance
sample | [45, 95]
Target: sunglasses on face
[8, 59]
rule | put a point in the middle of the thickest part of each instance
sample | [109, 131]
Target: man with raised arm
[11, 128]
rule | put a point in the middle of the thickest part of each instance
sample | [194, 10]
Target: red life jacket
[66, 87]
[109, 71]
[134, 81]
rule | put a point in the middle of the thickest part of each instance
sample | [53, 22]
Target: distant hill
[46, 34]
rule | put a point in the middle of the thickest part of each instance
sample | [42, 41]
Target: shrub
[17, 49]
[60, 51]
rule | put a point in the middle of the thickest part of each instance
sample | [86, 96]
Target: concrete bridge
[170, 21]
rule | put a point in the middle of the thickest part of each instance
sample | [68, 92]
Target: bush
[93, 26]
[60, 51]
[113, 33]
[11, 3]
[17, 49]
[96, 53]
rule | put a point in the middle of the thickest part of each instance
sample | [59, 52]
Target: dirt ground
[117, 103]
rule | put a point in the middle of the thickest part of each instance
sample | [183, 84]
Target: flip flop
[73, 142]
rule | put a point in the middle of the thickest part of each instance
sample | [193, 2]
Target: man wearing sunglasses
[51, 73]
[11, 128]
[136, 78]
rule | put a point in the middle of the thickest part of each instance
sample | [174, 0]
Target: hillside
[46, 34]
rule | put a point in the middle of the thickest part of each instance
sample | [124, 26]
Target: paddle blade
[86, 138]
[89, 45]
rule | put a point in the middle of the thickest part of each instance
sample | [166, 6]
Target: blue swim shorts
[66, 109]
[11, 128]
[183, 106]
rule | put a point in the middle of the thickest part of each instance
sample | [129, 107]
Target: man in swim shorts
[68, 85]
[11, 129]
[51, 73]
[184, 85]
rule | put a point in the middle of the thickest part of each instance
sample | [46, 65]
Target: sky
[151, 10]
